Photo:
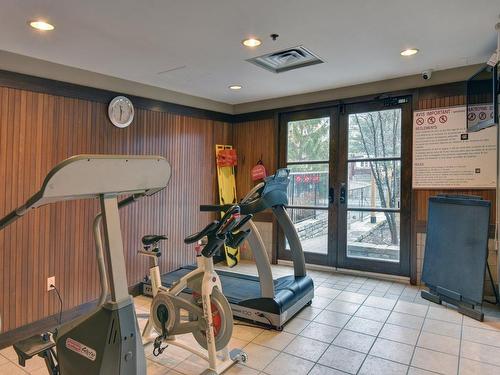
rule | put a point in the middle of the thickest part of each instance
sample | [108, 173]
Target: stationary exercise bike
[209, 317]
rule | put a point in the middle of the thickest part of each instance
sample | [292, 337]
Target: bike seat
[150, 239]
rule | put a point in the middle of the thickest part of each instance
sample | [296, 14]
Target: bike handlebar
[222, 231]
[242, 222]
[198, 236]
[215, 207]
[235, 240]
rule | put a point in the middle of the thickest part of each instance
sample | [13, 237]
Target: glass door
[375, 181]
[349, 195]
[307, 150]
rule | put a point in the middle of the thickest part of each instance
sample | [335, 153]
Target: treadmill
[261, 299]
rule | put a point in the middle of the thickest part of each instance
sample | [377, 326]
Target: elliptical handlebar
[9, 219]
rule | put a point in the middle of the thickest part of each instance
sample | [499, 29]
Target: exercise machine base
[276, 321]
[37, 345]
[470, 310]
[292, 294]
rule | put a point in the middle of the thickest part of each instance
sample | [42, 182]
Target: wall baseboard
[47, 324]
[345, 271]
[10, 337]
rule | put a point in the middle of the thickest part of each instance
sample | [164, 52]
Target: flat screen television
[483, 99]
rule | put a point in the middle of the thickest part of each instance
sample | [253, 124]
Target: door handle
[343, 193]
[331, 195]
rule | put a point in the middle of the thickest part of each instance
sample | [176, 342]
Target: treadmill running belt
[235, 289]
[239, 288]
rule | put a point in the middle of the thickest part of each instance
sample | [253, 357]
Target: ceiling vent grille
[288, 59]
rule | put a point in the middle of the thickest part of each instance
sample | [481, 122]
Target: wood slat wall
[37, 131]
[254, 140]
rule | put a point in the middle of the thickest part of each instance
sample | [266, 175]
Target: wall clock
[121, 111]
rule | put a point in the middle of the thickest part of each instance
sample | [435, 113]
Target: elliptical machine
[209, 319]
[105, 341]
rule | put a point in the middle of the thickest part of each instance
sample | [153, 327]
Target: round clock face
[121, 111]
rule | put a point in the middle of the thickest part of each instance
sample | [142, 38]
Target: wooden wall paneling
[7, 117]
[29, 253]
[42, 151]
[424, 195]
[14, 305]
[4, 104]
[38, 130]
[8, 232]
[254, 140]
[3, 161]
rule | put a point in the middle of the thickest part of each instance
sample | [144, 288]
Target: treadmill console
[281, 173]
[273, 193]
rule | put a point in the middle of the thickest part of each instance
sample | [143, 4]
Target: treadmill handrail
[252, 192]
[261, 258]
[296, 250]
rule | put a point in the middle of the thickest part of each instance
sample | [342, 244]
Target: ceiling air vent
[288, 59]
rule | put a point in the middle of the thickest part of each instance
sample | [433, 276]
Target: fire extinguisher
[258, 172]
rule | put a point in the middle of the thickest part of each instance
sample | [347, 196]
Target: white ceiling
[360, 40]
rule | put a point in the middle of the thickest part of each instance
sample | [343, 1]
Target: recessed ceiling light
[41, 25]
[409, 52]
[252, 42]
[235, 87]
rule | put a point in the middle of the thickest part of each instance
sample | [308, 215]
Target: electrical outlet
[51, 281]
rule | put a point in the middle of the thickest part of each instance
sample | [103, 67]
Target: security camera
[426, 74]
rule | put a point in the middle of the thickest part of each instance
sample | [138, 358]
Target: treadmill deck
[239, 288]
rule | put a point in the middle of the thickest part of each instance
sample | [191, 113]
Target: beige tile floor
[356, 325]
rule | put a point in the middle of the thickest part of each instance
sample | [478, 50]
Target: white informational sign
[445, 156]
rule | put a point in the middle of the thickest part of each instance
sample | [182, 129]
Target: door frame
[401, 268]
[337, 108]
[284, 118]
